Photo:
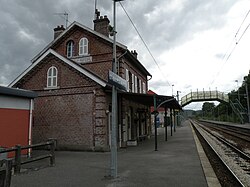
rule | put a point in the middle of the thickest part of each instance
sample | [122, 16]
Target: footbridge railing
[204, 96]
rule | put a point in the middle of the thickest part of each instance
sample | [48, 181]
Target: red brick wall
[99, 49]
[67, 76]
[101, 52]
[74, 113]
[68, 118]
[97, 45]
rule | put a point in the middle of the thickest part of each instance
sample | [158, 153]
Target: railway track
[241, 133]
[232, 159]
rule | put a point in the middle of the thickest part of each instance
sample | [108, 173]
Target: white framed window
[140, 90]
[83, 46]
[70, 49]
[127, 79]
[52, 77]
[143, 87]
[136, 89]
[133, 83]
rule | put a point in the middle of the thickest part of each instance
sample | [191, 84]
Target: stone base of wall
[81, 148]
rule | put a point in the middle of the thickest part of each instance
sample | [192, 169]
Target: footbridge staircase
[239, 110]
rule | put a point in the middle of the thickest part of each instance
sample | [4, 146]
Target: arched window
[84, 46]
[52, 77]
[70, 49]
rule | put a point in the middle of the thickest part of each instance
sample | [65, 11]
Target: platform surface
[176, 163]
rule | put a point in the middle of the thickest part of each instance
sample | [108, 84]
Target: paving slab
[176, 163]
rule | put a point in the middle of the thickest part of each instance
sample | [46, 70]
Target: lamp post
[155, 114]
[178, 96]
[172, 89]
[178, 100]
[238, 89]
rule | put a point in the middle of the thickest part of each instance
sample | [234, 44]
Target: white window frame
[144, 87]
[133, 83]
[127, 79]
[140, 90]
[52, 76]
[136, 88]
[83, 46]
[70, 48]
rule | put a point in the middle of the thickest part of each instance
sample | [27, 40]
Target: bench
[142, 137]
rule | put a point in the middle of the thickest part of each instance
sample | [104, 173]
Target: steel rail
[235, 134]
[226, 129]
[217, 154]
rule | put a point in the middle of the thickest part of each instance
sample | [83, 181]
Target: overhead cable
[227, 55]
[145, 44]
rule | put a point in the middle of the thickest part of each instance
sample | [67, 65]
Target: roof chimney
[58, 30]
[134, 53]
[101, 24]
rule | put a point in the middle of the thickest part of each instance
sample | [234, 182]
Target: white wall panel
[14, 102]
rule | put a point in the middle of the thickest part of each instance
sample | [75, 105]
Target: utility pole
[248, 108]
[113, 165]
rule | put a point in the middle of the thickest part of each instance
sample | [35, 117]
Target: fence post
[5, 172]
[2, 172]
[52, 152]
[8, 173]
[17, 167]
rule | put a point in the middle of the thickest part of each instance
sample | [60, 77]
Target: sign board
[117, 81]
[82, 60]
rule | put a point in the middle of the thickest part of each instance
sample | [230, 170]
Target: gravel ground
[226, 154]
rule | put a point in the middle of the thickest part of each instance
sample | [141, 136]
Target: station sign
[117, 81]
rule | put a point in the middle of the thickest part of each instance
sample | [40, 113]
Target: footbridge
[204, 96]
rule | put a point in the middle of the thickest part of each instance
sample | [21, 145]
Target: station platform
[244, 126]
[176, 163]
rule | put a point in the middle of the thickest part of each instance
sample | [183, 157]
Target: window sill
[52, 88]
[83, 55]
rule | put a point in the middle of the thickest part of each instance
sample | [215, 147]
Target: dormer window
[70, 49]
[84, 46]
[52, 77]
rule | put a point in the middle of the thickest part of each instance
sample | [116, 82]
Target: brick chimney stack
[101, 24]
[58, 30]
[134, 53]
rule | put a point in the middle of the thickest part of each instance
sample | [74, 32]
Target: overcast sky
[189, 39]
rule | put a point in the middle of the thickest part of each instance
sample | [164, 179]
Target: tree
[208, 109]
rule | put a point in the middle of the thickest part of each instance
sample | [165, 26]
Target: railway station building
[70, 76]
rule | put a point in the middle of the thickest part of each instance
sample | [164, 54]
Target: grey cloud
[26, 26]
[164, 29]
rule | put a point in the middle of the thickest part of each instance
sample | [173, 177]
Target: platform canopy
[148, 99]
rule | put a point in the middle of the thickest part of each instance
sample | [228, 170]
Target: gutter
[30, 125]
